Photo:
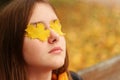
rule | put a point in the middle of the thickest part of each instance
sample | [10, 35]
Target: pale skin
[39, 61]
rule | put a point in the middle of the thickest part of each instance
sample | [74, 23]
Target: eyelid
[55, 20]
[35, 24]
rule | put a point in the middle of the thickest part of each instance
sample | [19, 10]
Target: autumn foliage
[92, 32]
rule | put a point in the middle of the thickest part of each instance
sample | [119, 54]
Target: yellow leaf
[37, 32]
[56, 26]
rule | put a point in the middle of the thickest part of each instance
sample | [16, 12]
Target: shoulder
[75, 76]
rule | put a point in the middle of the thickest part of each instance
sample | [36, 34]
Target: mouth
[55, 50]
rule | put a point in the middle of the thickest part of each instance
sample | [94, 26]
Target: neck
[39, 74]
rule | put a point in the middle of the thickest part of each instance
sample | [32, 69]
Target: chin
[57, 65]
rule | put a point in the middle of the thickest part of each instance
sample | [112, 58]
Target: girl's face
[49, 53]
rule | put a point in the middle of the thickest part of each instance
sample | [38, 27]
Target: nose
[54, 37]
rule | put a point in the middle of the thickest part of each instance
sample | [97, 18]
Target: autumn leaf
[37, 32]
[56, 26]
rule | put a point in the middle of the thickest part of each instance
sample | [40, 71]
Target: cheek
[30, 45]
[63, 43]
[32, 51]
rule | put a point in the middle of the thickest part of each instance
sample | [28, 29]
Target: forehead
[42, 12]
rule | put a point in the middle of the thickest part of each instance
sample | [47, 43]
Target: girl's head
[30, 38]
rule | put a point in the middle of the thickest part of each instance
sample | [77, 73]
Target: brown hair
[13, 21]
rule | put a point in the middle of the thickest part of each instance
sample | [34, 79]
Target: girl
[32, 45]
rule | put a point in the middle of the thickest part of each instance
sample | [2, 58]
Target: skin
[39, 62]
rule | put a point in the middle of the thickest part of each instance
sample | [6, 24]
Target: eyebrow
[42, 21]
[37, 22]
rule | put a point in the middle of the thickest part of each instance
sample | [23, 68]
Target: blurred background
[92, 30]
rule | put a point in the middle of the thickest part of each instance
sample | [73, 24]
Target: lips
[55, 50]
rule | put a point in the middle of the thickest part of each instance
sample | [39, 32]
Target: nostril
[51, 41]
[53, 37]
[54, 40]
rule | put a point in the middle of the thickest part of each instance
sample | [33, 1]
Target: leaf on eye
[56, 26]
[44, 34]
[37, 32]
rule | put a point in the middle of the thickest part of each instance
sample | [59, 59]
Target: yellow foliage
[93, 33]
